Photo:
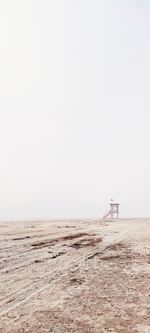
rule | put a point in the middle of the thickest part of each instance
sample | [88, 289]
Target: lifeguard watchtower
[113, 213]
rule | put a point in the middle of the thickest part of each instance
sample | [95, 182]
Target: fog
[74, 107]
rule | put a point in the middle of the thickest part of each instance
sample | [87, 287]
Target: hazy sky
[74, 107]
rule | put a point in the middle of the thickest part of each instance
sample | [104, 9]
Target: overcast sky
[74, 107]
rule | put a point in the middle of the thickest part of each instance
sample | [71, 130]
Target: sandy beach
[86, 276]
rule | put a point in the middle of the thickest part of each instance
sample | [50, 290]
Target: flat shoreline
[74, 275]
